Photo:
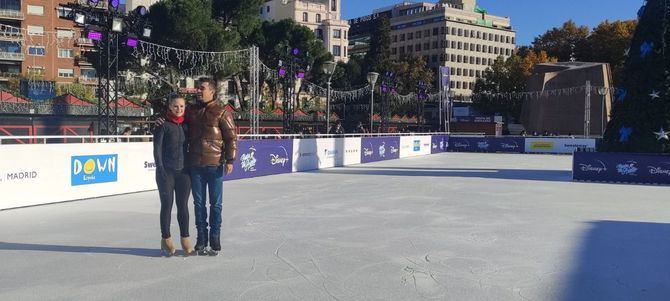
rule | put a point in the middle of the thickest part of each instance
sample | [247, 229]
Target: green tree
[607, 43]
[378, 57]
[240, 15]
[642, 105]
[562, 42]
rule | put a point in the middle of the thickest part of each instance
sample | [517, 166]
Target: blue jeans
[202, 178]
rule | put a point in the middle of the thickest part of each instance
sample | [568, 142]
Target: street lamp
[602, 91]
[328, 69]
[372, 79]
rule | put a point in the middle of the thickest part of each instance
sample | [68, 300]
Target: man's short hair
[209, 81]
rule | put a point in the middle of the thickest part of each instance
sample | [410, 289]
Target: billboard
[261, 158]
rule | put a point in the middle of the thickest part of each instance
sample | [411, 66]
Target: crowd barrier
[32, 174]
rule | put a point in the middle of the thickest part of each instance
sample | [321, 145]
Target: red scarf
[175, 119]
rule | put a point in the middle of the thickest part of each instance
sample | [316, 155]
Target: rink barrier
[622, 168]
[34, 174]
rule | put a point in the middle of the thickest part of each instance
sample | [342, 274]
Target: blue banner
[621, 167]
[261, 158]
[378, 149]
[93, 169]
[487, 144]
[439, 144]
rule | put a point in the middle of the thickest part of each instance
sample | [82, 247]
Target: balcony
[11, 56]
[85, 42]
[10, 14]
[10, 35]
[5, 76]
[81, 61]
[100, 5]
[88, 80]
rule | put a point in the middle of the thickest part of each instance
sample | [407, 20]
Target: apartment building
[453, 33]
[36, 41]
[322, 16]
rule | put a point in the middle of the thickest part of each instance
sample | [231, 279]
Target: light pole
[328, 69]
[602, 91]
[372, 79]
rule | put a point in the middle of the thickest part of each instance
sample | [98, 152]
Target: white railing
[16, 56]
[11, 14]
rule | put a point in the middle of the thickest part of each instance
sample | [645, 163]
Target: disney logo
[509, 145]
[462, 144]
[657, 170]
[593, 168]
[394, 150]
[277, 159]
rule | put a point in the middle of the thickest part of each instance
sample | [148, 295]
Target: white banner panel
[305, 154]
[557, 145]
[46, 173]
[411, 146]
[352, 151]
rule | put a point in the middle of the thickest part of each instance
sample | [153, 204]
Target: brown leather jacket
[211, 134]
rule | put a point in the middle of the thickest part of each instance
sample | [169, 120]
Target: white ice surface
[452, 226]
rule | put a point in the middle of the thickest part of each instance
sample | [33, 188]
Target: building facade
[453, 33]
[322, 16]
[37, 41]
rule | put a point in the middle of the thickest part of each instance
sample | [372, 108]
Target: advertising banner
[379, 148]
[507, 144]
[305, 154]
[621, 167]
[487, 144]
[261, 158]
[438, 144]
[557, 145]
[411, 146]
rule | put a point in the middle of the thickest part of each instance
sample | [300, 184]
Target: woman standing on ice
[172, 176]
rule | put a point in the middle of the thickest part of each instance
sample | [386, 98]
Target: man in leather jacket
[212, 144]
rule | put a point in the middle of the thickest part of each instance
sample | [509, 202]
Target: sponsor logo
[658, 170]
[417, 145]
[93, 169]
[278, 159]
[18, 176]
[393, 149]
[330, 153]
[507, 145]
[483, 145]
[434, 146]
[351, 151]
[382, 150]
[461, 144]
[596, 168]
[149, 165]
[367, 152]
[627, 169]
[542, 145]
[248, 161]
[442, 144]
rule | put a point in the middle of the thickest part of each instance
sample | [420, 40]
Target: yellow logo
[540, 145]
[89, 166]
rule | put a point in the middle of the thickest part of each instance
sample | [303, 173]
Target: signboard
[557, 145]
[414, 146]
[621, 167]
[261, 158]
[438, 144]
[379, 149]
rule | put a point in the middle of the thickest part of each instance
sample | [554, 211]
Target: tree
[642, 104]
[410, 71]
[607, 43]
[562, 42]
[239, 15]
[378, 57]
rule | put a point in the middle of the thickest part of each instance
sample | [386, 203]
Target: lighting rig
[109, 28]
[387, 88]
[290, 68]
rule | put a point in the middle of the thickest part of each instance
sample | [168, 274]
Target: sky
[530, 18]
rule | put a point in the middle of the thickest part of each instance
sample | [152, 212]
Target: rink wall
[33, 174]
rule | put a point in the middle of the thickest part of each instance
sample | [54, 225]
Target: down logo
[93, 169]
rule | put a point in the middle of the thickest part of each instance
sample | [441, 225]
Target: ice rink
[452, 226]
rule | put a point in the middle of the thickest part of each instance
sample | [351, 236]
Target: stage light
[296, 51]
[117, 25]
[141, 10]
[300, 74]
[93, 2]
[79, 18]
[94, 35]
[114, 4]
[131, 42]
[282, 72]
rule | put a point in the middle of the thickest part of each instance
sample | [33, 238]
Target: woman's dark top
[170, 145]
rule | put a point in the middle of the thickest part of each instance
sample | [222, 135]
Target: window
[452, 84]
[337, 33]
[479, 34]
[433, 58]
[62, 33]
[472, 60]
[69, 73]
[466, 33]
[418, 47]
[401, 50]
[418, 34]
[479, 61]
[426, 33]
[434, 44]
[402, 37]
[395, 39]
[337, 50]
[394, 51]
[36, 50]
[508, 52]
[453, 31]
[410, 48]
[267, 9]
[479, 48]
[36, 10]
[318, 18]
[88, 73]
[410, 36]
[460, 45]
[458, 85]
[466, 46]
[35, 30]
[65, 53]
[333, 5]
[478, 73]
[63, 12]
[305, 17]
[436, 31]
[345, 50]
[460, 32]
[459, 59]
[345, 34]
[319, 33]
[426, 46]
[453, 44]
[507, 39]
[472, 73]
[443, 31]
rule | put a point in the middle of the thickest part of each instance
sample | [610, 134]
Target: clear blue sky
[530, 18]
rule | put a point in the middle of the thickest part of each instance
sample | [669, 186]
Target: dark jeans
[204, 178]
[174, 182]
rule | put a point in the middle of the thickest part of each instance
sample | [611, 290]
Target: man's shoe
[201, 243]
[215, 243]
